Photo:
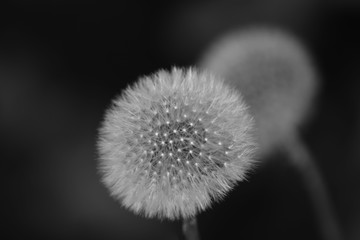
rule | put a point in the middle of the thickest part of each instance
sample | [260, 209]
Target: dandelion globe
[174, 142]
[275, 74]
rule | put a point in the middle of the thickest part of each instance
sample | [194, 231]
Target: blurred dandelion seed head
[174, 142]
[275, 74]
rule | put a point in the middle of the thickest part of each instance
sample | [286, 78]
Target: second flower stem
[316, 188]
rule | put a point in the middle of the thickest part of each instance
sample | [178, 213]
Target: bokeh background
[61, 63]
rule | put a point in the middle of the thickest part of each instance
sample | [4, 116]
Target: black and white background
[61, 63]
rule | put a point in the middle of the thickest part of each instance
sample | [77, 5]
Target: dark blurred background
[61, 63]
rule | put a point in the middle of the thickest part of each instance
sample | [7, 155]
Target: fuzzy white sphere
[275, 75]
[174, 142]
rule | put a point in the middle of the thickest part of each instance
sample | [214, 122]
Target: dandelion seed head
[275, 74]
[178, 168]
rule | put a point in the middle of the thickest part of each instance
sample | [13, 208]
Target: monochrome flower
[274, 73]
[174, 142]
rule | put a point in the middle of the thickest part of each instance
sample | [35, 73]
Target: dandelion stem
[190, 229]
[316, 188]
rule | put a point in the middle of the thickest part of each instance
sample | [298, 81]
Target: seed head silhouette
[174, 142]
[275, 75]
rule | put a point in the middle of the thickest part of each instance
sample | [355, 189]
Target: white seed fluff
[154, 167]
[275, 74]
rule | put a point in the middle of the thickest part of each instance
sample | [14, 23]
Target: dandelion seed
[275, 74]
[156, 194]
